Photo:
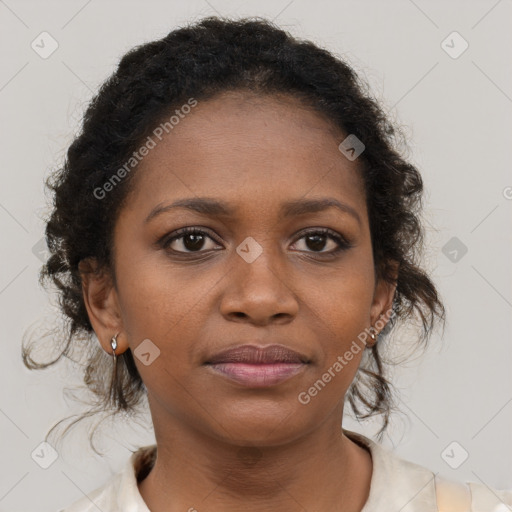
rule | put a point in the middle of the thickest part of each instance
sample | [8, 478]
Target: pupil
[318, 241]
[196, 244]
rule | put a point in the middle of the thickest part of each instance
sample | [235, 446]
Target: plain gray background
[457, 115]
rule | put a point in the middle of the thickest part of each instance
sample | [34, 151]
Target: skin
[222, 446]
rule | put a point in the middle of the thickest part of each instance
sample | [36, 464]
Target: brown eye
[317, 240]
[191, 239]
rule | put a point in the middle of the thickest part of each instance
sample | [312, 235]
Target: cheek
[167, 306]
[343, 304]
[345, 294]
[344, 317]
[155, 297]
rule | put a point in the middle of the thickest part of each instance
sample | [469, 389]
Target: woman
[237, 229]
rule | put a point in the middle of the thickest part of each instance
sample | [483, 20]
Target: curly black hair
[199, 61]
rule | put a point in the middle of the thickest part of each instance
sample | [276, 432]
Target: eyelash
[343, 243]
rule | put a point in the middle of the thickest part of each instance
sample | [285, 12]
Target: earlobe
[100, 298]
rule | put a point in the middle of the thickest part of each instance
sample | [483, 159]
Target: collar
[396, 484]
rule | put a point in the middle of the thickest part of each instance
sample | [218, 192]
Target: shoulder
[410, 487]
[489, 498]
[471, 496]
[102, 498]
[120, 493]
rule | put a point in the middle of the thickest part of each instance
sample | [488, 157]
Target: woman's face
[253, 276]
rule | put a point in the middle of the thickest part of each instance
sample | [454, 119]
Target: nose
[259, 292]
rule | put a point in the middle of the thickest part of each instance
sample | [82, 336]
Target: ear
[100, 297]
[383, 296]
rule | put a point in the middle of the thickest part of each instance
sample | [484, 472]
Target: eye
[192, 239]
[317, 239]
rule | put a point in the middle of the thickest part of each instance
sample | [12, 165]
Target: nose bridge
[258, 287]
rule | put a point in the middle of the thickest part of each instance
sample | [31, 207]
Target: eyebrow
[214, 207]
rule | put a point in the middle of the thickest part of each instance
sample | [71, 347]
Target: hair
[201, 60]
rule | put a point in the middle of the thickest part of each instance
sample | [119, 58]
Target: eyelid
[180, 233]
[326, 231]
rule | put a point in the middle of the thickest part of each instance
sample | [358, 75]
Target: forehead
[270, 145]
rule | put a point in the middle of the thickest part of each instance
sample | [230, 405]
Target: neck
[323, 470]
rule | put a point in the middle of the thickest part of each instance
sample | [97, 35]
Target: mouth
[258, 367]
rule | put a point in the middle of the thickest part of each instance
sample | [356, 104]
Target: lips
[251, 354]
[258, 367]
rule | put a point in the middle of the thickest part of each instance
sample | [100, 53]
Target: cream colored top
[397, 485]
